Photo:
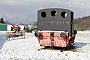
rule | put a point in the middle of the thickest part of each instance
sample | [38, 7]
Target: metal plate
[55, 19]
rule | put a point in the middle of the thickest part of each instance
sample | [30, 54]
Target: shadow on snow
[2, 40]
[80, 44]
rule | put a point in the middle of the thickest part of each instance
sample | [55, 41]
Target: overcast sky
[25, 11]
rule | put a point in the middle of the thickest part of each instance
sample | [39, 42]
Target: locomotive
[55, 27]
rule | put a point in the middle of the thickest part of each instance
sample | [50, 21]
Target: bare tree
[34, 24]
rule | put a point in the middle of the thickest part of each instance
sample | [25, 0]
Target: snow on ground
[28, 49]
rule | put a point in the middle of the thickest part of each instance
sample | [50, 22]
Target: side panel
[3, 27]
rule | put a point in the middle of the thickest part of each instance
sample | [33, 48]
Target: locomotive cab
[55, 27]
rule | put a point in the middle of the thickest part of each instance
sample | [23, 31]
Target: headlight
[37, 34]
[62, 35]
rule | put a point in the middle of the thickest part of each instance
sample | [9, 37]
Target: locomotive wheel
[62, 34]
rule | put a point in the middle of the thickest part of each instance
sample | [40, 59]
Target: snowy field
[29, 49]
